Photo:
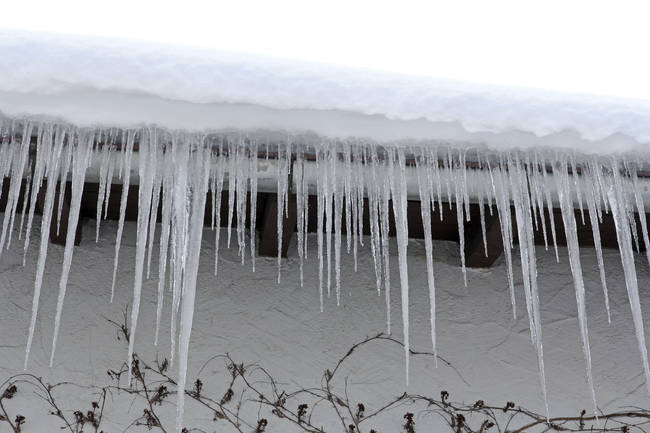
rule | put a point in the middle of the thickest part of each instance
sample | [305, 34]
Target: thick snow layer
[281, 328]
[90, 82]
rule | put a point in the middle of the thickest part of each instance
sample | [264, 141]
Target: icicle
[199, 186]
[305, 200]
[574, 171]
[320, 193]
[438, 181]
[155, 198]
[551, 217]
[43, 151]
[282, 197]
[125, 192]
[531, 189]
[560, 172]
[81, 160]
[109, 181]
[460, 198]
[220, 171]
[330, 178]
[595, 230]
[29, 177]
[52, 174]
[167, 189]
[347, 167]
[521, 200]
[359, 164]
[355, 206]
[398, 190]
[338, 211]
[7, 149]
[536, 188]
[373, 213]
[503, 208]
[424, 187]
[146, 174]
[17, 170]
[253, 200]
[62, 185]
[385, 232]
[481, 208]
[242, 175]
[180, 221]
[104, 152]
[640, 207]
[232, 168]
[299, 176]
[623, 235]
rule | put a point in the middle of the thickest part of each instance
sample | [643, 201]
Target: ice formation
[176, 170]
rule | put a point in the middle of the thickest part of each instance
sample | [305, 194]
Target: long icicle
[125, 192]
[425, 209]
[560, 171]
[52, 174]
[398, 192]
[146, 172]
[81, 157]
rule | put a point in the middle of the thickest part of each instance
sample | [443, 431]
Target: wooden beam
[475, 256]
[58, 236]
[268, 245]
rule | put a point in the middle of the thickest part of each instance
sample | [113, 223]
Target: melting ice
[176, 171]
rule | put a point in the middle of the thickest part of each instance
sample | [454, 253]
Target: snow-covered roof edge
[98, 82]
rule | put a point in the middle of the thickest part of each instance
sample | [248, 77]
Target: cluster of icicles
[177, 170]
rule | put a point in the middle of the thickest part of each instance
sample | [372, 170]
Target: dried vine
[254, 401]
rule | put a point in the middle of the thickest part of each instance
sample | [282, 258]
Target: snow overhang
[113, 83]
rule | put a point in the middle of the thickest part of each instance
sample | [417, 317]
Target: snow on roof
[92, 82]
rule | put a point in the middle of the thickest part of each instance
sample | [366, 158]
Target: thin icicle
[299, 176]
[146, 172]
[560, 172]
[219, 174]
[17, 170]
[252, 161]
[374, 204]
[385, 233]
[320, 194]
[640, 207]
[43, 152]
[458, 176]
[521, 200]
[595, 230]
[62, 185]
[167, 188]
[125, 192]
[503, 208]
[330, 177]
[155, 199]
[616, 201]
[551, 217]
[52, 174]
[26, 193]
[104, 152]
[425, 210]
[81, 159]
[282, 200]
[109, 181]
[232, 188]
[180, 221]
[347, 167]
[481, 208]
[338, 216]
[398, 192]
